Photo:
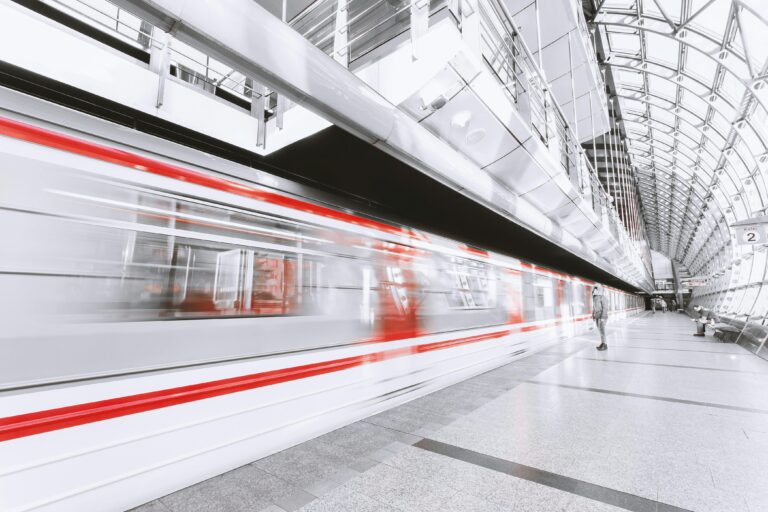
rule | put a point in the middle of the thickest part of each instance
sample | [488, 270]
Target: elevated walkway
[662, 421]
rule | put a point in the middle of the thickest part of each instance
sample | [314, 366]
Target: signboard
[751, 234]
[691, 283]
[751, 231]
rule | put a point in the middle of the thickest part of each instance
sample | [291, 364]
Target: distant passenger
[653, 305]
[663, 306]
[600, 313]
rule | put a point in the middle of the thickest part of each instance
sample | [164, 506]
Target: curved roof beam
[700, 164]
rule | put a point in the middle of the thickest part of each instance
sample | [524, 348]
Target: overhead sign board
[690, 282]
[751, 234]
[751, 231]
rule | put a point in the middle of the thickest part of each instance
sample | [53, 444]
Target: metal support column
[341, 34]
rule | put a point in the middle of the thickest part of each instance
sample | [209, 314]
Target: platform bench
[726, 332]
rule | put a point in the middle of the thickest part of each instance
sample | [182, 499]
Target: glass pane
[662, 49]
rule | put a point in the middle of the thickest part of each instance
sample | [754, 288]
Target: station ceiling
[689, 79]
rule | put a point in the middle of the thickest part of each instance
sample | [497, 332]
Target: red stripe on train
[23, 425]
[51, 139]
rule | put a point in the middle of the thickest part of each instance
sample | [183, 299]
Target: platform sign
[751, 231]
[751, 234]
[693, 281]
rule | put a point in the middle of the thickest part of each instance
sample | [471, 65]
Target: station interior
[383, 255]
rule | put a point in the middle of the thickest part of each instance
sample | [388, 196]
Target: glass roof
[690, 81]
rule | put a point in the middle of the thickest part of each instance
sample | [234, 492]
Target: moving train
[164, 321]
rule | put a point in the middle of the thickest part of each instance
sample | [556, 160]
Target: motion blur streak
[163, 323]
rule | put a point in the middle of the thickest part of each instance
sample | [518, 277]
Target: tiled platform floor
[662, 421]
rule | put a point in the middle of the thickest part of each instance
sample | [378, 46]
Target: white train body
[163, 323]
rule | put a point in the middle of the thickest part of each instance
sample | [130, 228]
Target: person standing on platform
[663, 306]
[653, 305]
[600, 313]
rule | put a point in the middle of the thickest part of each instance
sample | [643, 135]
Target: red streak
[23, 425]
[51, 139]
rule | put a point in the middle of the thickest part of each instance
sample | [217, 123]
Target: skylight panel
[662, 49]
[700, 65]
[732, 88]
[663, 141]
[688, 117]
[759, 123]
[672, 8]
[737, 66]
[685, 149]
[754, 33]
[737, 164]
[661, 102]
[633, 106]
[759, 6]
[619, 4]
[714, 143]
[695, 103]
[632, 78]
[727, 185]
[719, 123]
[697, 87]
[690, 131]
[713, 19]
[624, 43]
[663, 116]
[662, 87]
[751, 140]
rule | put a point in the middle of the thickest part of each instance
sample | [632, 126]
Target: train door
[567, 309]
[529, 294]
[514, 296]
[398, 294]
[545, 303]
[560, 303]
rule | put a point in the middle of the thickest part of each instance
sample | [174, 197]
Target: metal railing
[501, 41]
[108, 18]
[545, 116]
[589, 36]
[349, 29]
[186, 63]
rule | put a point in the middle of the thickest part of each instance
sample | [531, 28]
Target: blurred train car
[163, 322]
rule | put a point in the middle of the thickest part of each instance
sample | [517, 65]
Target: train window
[399, 289]
[472, 285]
[543, 292]
[187, 278]
[229, 278]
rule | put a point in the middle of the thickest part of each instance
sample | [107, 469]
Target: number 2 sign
[749, 235]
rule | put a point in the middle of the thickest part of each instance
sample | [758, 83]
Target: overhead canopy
[690, 79]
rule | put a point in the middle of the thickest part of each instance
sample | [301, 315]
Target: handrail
[540, 75]
[118, 22]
